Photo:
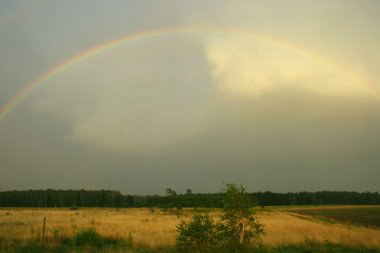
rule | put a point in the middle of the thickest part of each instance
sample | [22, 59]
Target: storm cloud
[280, 96]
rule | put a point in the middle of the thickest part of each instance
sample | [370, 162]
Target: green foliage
[315, 246]
[170, 192]
[237, 230]
[198, 235]
[107, 198]
[88, 237]
[309, 246]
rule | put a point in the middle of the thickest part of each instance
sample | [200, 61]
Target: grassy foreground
[154, 230]
[122, 246]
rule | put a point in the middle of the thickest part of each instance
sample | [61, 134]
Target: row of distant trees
[108, 198]
[61, 198]
[260, 198]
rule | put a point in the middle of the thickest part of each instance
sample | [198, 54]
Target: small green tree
[197, 235]
[238, 227]
[170, 192]
[236, 230]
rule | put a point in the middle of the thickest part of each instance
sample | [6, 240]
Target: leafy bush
[88, 237]
[236, 231]
[198, 235]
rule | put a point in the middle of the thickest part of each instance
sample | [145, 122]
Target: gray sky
[287, 101]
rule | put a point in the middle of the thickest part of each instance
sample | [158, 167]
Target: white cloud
[249, 67]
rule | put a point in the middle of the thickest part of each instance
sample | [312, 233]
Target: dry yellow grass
[283, 228]
[159, 228]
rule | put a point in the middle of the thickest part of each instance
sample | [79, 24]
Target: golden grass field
[155, 227]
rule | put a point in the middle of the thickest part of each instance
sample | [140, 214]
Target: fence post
[43, 233]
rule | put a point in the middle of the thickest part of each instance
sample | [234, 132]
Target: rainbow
[20, 12]
[56, 70]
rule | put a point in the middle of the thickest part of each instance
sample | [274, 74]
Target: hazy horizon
[279, 96]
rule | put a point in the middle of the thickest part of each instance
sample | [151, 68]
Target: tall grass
[156, 230]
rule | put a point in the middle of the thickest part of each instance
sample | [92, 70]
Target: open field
[363, 215]
[155, 228]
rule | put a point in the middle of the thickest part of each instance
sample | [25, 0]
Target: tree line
[109, 198]
[61, 198]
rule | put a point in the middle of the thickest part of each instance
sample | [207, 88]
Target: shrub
[236, 230]
[198, 235]
[88, 237]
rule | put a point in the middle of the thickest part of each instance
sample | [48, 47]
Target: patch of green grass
[308, 247]
[90, 238]
[85, 240]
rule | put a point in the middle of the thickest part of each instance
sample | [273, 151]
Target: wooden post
[43, 233]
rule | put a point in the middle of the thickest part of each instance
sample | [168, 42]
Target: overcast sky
[276, 95]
